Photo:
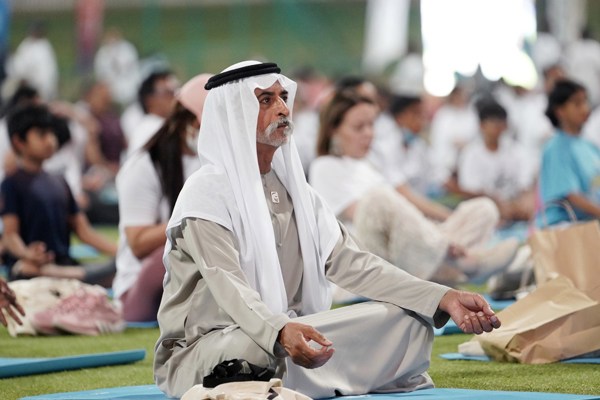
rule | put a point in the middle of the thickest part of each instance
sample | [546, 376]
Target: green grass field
[561, 378]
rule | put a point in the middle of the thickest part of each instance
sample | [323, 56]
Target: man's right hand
[295, 338]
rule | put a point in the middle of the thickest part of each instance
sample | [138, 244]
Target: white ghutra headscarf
[227, 189]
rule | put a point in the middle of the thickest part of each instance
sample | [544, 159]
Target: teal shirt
[570, 165]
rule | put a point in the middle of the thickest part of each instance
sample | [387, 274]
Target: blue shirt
[570, 165]
[43, 204]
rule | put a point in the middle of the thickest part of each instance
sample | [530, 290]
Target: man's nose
[282, 107]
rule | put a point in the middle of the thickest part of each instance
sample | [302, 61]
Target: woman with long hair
[386, 222]
[148, 185]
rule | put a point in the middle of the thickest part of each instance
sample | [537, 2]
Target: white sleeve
[386, 151]
[139, 192]
[328, 177]
[470, 177]
[525, 170]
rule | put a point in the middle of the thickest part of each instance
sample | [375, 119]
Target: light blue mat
[10, 367]
[144, 324]
[518, 230]
[151, 392]
[458, 356]
[82, 251]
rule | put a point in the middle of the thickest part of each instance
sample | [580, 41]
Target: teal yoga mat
[151, 392]
[144, 324]
[461, 357]
[10, 367]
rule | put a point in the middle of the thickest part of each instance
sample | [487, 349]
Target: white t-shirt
[117, 64]
[452, 128]
[65, 162]
[144, 130]
[591, 129]
[503, 174]
[410, 163]
[342, 181]
[386, 148]
[306, 129]
[527, 119]
[130, 119]
[582, 59]
[141, 203]
[35, 62]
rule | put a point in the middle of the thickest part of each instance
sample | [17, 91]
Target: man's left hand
[470, 311]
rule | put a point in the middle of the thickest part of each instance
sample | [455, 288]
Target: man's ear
[17, 144]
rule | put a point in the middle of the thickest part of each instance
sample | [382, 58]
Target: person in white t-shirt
[117, 63]
[453, 126]
[405, 157]
[526, 118]
[156, 97]
[385, 221]
[582, 61]
[496, 166]
[148, 185]
[34, 62]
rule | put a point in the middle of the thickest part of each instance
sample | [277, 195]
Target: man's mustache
[281, 122]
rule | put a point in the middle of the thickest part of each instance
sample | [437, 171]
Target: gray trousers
[379, 347]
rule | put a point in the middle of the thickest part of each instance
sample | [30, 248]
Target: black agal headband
[240, 73]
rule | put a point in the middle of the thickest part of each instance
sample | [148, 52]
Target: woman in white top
[148, 185]
[384, 220]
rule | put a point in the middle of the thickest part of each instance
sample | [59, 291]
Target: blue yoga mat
[144, 324]
[10, 367]
[83, 251]
[458, 356]
[151, 392]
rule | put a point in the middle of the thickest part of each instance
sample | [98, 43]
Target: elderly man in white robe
[251, 249]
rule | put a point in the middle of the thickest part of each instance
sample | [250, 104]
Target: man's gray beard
[265, 137]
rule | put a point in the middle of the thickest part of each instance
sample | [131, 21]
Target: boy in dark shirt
[39, 211]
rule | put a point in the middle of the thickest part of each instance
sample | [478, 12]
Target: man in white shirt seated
[497, 166]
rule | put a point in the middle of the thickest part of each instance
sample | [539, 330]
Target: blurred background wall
[207, 35]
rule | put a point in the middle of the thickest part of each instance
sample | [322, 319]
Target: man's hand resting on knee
[295, 338]
[470, 311]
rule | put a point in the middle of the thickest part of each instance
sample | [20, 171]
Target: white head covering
[227, 189]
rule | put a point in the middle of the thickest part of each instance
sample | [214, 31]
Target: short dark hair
[60, 127]
[147, 87]
[24, 118]
[399, 103]
[24, 94]
[349, 82]
[560, 94]
[490, 109]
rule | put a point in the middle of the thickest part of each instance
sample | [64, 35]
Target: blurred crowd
[481, 148]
